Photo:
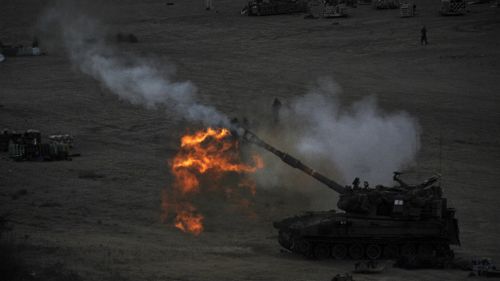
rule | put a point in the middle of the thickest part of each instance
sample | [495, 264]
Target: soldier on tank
[235, 123]
[355, 183]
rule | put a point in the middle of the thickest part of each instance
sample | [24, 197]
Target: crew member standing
[423, 36]
[208, 5]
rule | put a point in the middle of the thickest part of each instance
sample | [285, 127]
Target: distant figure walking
[423, 36]
[208, 5]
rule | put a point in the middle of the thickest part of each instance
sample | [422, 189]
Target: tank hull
[344, 236]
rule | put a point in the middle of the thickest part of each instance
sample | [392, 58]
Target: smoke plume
[342, 141]
[133, 79]
[345, 141]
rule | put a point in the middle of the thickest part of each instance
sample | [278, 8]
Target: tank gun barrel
[290, 160]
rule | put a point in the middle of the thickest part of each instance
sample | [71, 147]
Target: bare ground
[99, 214]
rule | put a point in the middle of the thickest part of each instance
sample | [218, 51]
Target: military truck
[335, 8]
[274, 7]
[328, 8]
[28, 146]
[385, 4]
[376, 222]
[406, 8]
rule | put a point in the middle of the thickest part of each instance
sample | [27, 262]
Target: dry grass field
[98, 216]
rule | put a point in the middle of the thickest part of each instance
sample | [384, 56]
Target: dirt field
[99, 215]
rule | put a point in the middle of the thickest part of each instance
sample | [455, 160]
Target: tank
[374, 222]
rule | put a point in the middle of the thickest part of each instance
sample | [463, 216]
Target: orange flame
[188, 220]
[212, 152]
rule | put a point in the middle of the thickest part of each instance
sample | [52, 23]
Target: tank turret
[378, 221]
[424, 199]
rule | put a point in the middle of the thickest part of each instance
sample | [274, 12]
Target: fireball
[206, 153]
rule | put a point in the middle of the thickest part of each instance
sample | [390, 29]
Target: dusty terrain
[99, 215]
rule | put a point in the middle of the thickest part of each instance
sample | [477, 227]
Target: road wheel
[321, 251]
[339, 251]
[373, 251]
[303, 247]
[391, 251]
[426, 250]
[356, 251]
[408, 250]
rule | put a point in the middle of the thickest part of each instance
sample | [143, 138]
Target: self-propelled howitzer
[389, 222]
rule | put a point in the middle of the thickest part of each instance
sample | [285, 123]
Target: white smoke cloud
[133, 79]
[341, 141]
[361, 140]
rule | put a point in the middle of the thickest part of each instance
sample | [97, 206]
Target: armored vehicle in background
[385, 4]
[274, 7]
[453, 7]
[406, 8]
[377, 222]
[335, 8]
[328, 8]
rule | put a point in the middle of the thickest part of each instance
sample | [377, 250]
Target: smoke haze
[361, 140]
[341, 141]
[133, 79]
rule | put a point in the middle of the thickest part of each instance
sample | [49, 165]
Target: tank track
[372, 249]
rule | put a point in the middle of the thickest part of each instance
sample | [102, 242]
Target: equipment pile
[274, 7]
[484, 267]
[28, 146]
